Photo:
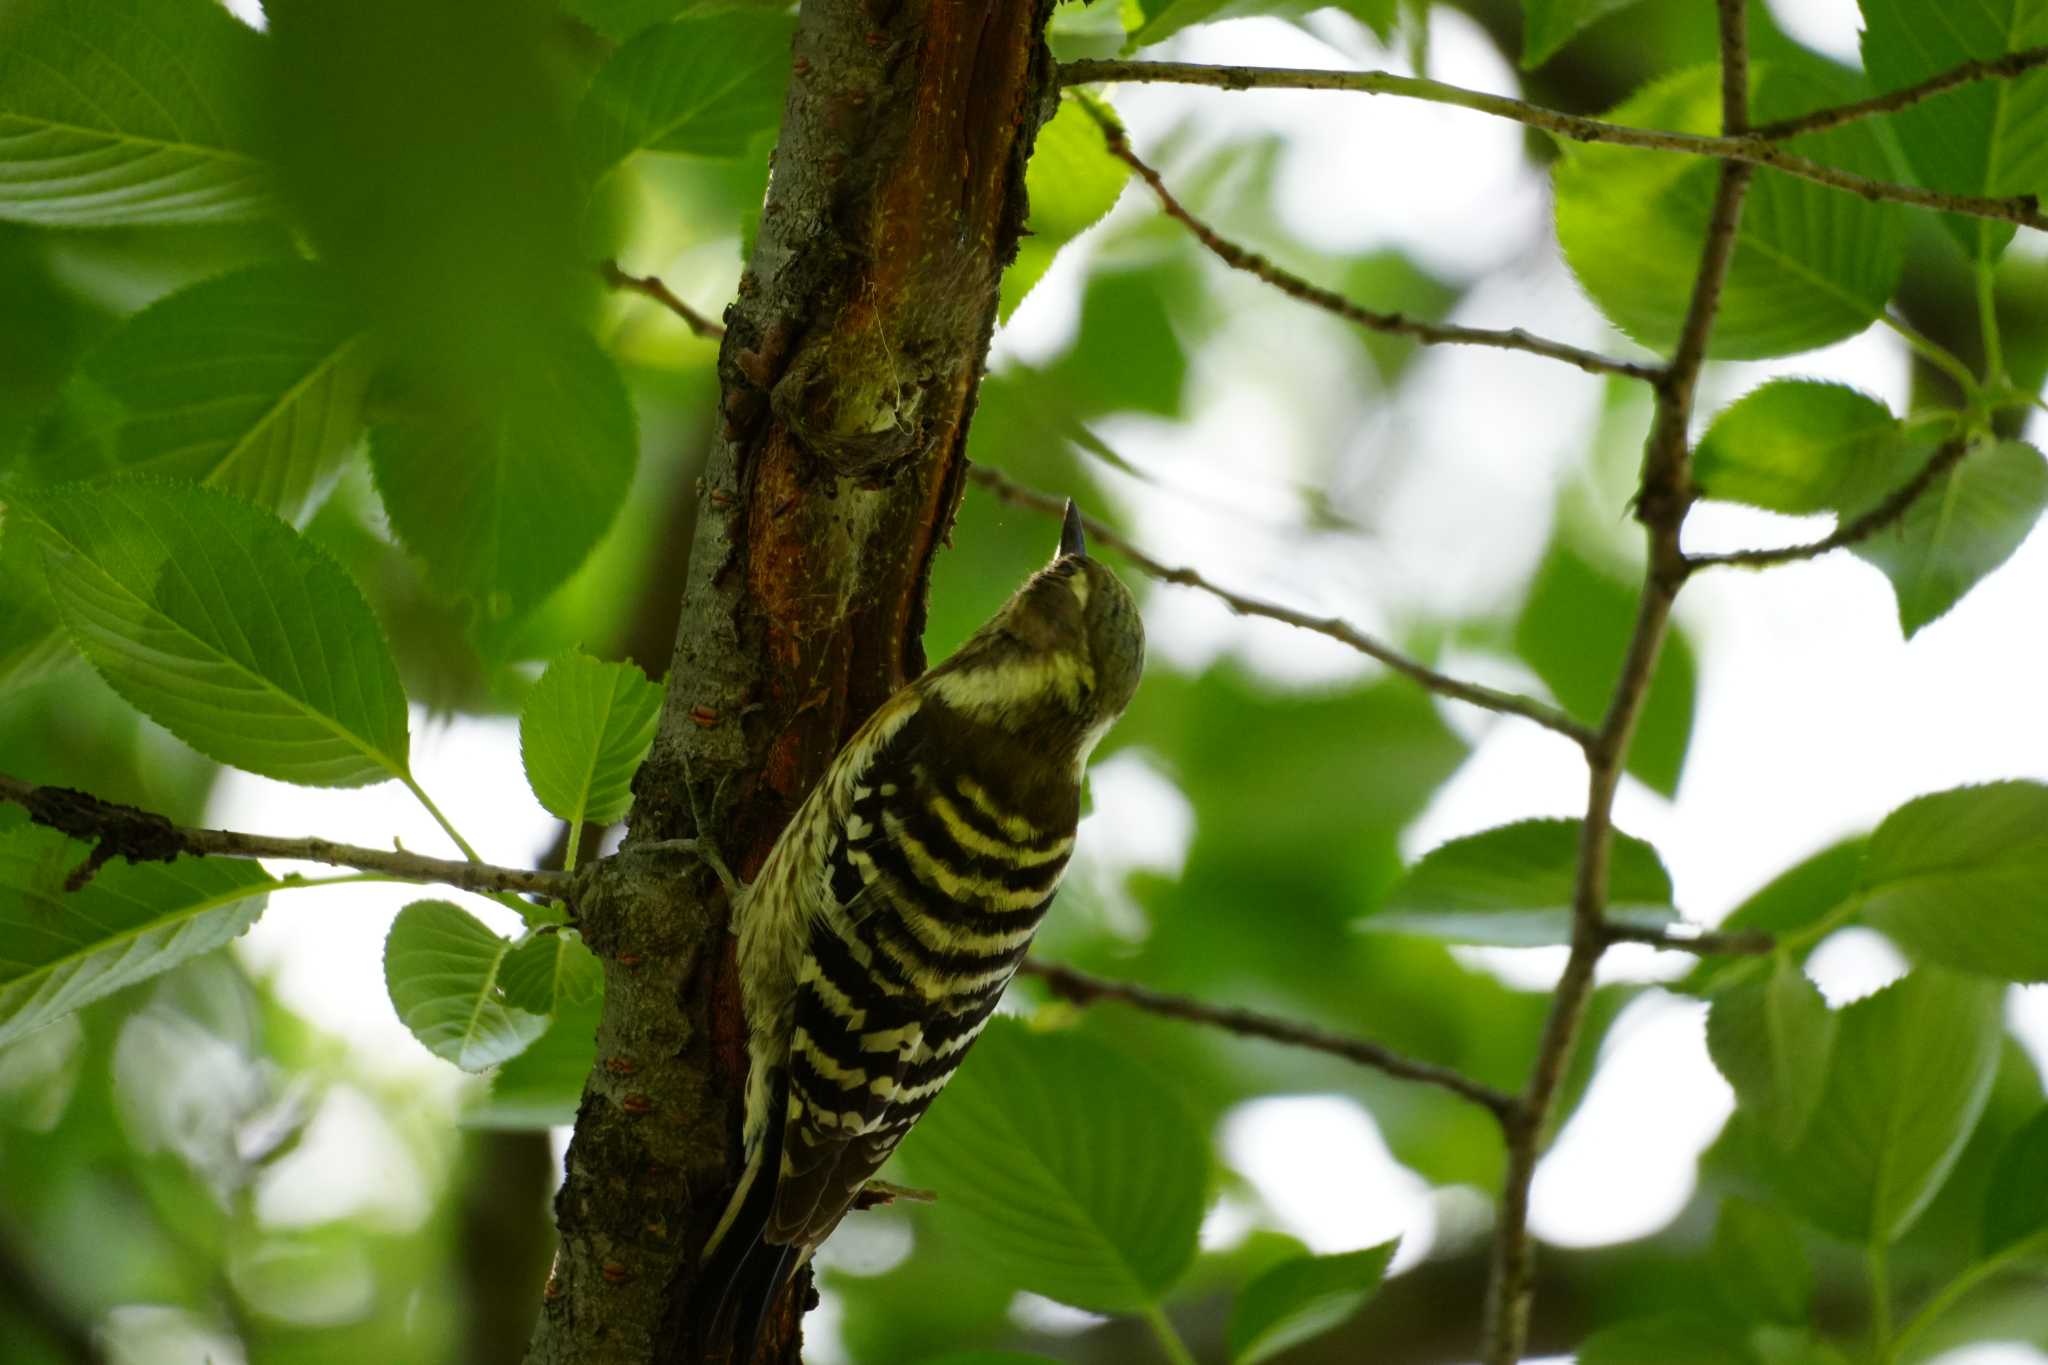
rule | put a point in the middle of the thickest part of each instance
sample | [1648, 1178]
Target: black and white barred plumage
[894, 909]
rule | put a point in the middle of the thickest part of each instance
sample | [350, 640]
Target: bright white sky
[1815, 718]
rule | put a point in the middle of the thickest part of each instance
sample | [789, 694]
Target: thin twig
[119, 831]
[1083, 988]
[1665, 495]
[1397, 324]
[1491, 699]
[1751, 148]
[651, 287]
[1740, 943]
[1895, 506]
[2008, 67]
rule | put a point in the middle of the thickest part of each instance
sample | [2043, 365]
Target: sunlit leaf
[542, 1087]
[585, 727]
[1959, 530]
[1071, 182]
[1983, 137]
[1513, 887]
[1760, 1268]
[1771, 1038]
[1574, 631]
[706, 84]
[1303, 1298]
[1072, 1168]
[227, 628]
[502, 503]
[126, 112]
[1796, 446]
[1961, 878]
[1901, 1098]
[253, 382]
[62, 949]
[1812, 265]
[1158, 20]
[441, 967]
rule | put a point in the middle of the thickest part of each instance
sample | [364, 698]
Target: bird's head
[1059, 661]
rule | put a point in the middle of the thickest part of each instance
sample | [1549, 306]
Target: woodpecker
[896, 905]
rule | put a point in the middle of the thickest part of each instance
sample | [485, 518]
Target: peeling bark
[848, 376]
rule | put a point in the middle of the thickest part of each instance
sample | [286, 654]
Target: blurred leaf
[1959, 530]
[1549, 24]
[543, 1086]
[1961, 878]
[1793, 1346]
[939, 1300]
[708, 85]
[1760, 1268]
[551, 969]
[1902, 1096]
[1794, 899]
[1812, 265]
[1157, 20]
[503, 501]
[1983, 137]
[1128, 355]
[585, 727]
[1574, 632]
[1393, 282]
[1772, 1040]
[1071, 181]
[2016, 1205]
[220, 623]
[441, 968]
[991, 1358]
[60, 950]
[619, 20]
[1301, 1299]
[1513, 887]
[1070, 1167]
[253, 382]
[1673, 1339]
[1796, 446]
[128, 112]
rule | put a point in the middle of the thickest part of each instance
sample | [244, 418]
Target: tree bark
[848, 375]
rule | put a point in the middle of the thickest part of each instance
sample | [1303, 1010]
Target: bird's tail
[741, 1272]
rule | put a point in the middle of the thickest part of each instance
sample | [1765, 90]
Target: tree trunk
[848, 376]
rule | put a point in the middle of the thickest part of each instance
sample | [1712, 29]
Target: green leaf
[619, 20]
[128, 112]
[1811, 265]
[1959, 530]
[708, 85]
[1961, 878]
[1760, 1268]
[549, 970]
[441, 968]
[1574, 632]
[1983, 137]
[1772, 1038]
[1158, 20]
[1791, 902]
[1549, 24]
[586, 726]
[253, 382]
[991, 1358]
[1912, 1068]
[1797, 446]
[1672, 1339]
[2016, 1204]
[224, 626]
[1303, 1298]
[1513, 887]
[1071, 182]
[1074, 1170]
[61, 950]
[543, 1086]
[504, 502]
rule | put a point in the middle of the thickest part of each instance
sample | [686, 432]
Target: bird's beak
[1072, 541]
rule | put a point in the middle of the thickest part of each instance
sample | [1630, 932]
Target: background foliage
[316, 423]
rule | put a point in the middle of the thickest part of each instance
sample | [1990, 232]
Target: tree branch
[1665, 495]
[1397, 324]
[1750, 148]
[651, 287]
[1741, 943]
[140, 836]
[2009, 67]
[1083, 988]
[1895, 505]
[1487, 698]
